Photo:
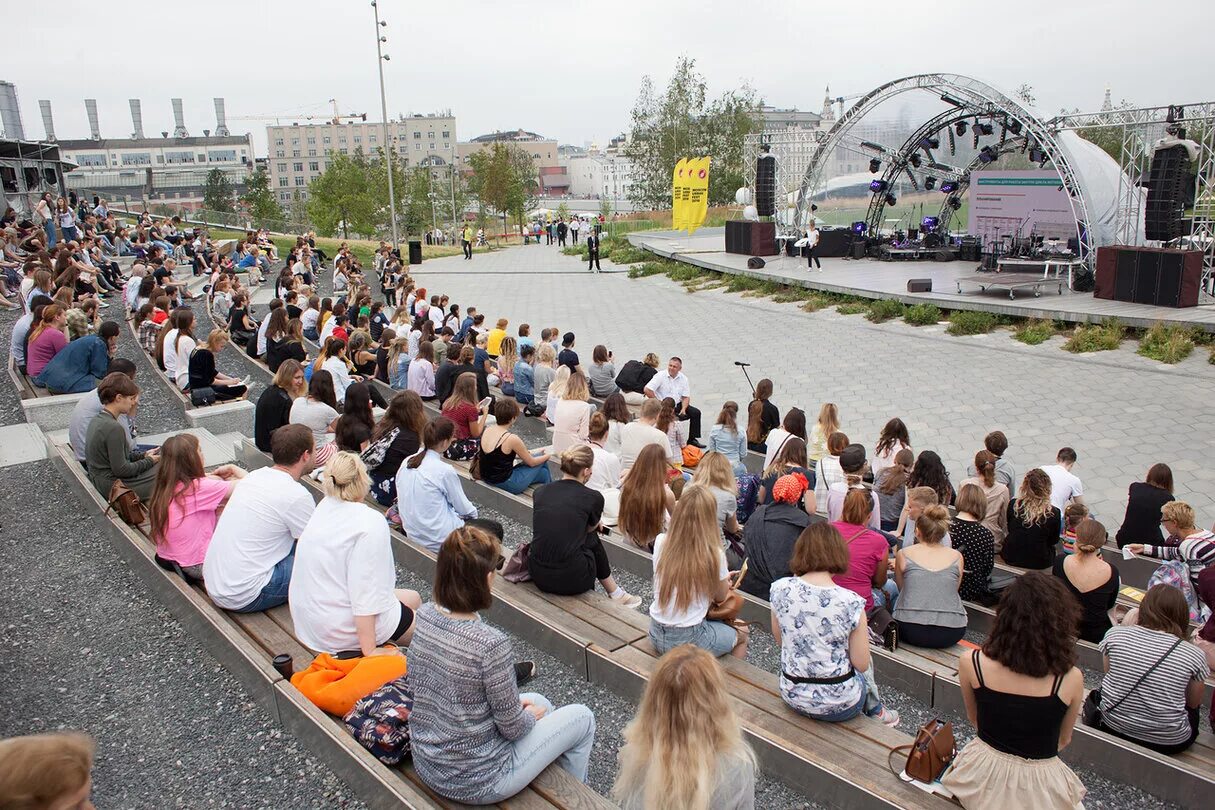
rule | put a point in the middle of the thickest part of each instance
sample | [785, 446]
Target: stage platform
[870, 278]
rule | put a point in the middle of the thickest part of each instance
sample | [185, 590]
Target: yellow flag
[677, 188]
[698, 194]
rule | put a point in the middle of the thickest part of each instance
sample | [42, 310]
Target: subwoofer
[919, 285]
[1155, 276]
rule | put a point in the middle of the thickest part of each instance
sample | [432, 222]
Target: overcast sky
[571, 70]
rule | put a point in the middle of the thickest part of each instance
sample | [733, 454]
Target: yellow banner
[697, 205]
[678, 183]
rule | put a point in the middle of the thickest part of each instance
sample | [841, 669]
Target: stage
[870, 278]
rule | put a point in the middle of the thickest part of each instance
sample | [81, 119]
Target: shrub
[1167, 344]
[922, 315]
[852, 307]
[574, 250]
[625, 253]
[1034, 332]
[677, 271]
[884, 309]
[740, 283]
[647, 269]
[965, 322]
[1102, 337]
[817, 300]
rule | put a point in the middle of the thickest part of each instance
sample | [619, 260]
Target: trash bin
[415, 251]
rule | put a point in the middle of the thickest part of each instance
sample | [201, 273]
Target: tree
[504, 178]
[682, 122]
[297, 212]
[260, 199]
[345, 195]
[417, 207]
[563, 210]
[218, 192]
[605, 208]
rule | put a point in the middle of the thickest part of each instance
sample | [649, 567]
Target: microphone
[739, 363]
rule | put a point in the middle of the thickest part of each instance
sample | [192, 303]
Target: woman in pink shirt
[868, 551]
[186, 503]
[45, 340]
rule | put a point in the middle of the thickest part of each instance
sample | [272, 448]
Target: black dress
[567, 555]
[1031, 546]
[1142, 521]
[272, 412]
[1095, 605]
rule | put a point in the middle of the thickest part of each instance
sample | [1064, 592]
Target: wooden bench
[23, 384]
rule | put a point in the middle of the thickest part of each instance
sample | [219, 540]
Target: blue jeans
[312, 334]
[718, 638]
[523, 476]
[275, 592]
[69, 233]
[49, 227]
[564, 736]
[847, 713]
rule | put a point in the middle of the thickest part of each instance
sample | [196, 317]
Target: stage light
[929, 223]
[949, 186]
[1037, 154]
[951, 100]
[954, 203]
[874, 165]
[930, 183]
[985, 129]
[930, 143]
[1014, 127]
[859, 227]
[960, 127]
[988, 155]
[891, 199]
[878, 186]
[915, 160]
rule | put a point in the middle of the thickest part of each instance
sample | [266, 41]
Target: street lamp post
[381, 59]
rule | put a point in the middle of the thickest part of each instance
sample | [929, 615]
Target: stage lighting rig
[960, 127]
[954, 202]
[985, 129]
[874, 165]
[930, 183]
[952, 145]
[929, 223]
[930, 143]
[859, 227]
[949, 186]
[988, 154]
[915, 160]
[951, 100]
[1014, 127]
[878, 186]
[891, 199]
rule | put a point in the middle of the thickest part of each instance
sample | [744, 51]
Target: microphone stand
[743, 366]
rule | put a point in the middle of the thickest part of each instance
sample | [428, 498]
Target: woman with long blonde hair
[572, 414]
[684, 747]
[645, 499]
[508, 355]
[556, 390]
[828, 423]
[1033, 524]
[715, 474]
[690, 574]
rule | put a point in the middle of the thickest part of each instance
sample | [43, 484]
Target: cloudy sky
[569, 70]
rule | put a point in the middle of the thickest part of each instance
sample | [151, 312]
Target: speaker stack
[1169, 180]
[765, 185]
[1158, 276]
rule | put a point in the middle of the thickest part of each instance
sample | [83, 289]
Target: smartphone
[742, 572]
[484, 403]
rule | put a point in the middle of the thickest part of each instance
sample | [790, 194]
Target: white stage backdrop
[1016, 203]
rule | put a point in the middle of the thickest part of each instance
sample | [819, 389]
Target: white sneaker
[888, 716]
[627, 599]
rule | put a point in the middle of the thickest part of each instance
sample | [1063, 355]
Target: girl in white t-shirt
[690, 574]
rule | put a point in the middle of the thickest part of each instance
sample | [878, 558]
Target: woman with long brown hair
[995, 493]
[1033, 524]
[616, 410]
[185, 504]
[468, 415]
[791, 459]
[690, 574]
[676, 430]
[645, 499]
[684, 747]
[274, 405]
[46, 339]
[762, 417]
[891, 486]
[397, 436]
[894, 437]
[1145, 499]
[727, 439]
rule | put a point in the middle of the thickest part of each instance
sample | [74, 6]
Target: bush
[884, 309]
[1034, 332]
[1167, 344]
[740, 283]
[647, 269]
[1102, 337]
[817, 300]
[922, 315]
[852, 307]
[574, 250]
[677, 271]
[972, 323]
[625, 253]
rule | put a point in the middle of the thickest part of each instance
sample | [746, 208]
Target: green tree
[378, 189]
[417, 207]
[605, 208]
[297, 212]
[218, 193]
[563, 210]
[504, 178]
[260, 199]
[343, 196]
[683, 122]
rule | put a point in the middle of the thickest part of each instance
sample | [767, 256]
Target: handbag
[380, 721]
[202, 396]
[1092, 703]
[515, 569]
[727, 609]
[374, 455]
[930, 754]
[691, 455]
[126, 505]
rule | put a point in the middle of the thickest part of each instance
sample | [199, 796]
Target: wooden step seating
[40, 407]
[245, 645]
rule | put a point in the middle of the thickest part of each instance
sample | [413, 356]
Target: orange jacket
[336, 685]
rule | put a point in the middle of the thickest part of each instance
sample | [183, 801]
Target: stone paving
[1121, 412]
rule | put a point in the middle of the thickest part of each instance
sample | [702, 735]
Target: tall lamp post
[382, 57]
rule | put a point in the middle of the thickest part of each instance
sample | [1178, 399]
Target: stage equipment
[955, 203]
[878, 186]
[1141, 275]
[743, 196]
[874, 165]
[751, 238]
[915, 159]
[859, 226]
[930, 183]
[919, 285]
[1014, 127]
[1037, 155]
[930, 223]
[951, 100]
[765, 184]
[930, 143]
[892, 200]
[755, 263]
[985, 129]
[960, 127]
[1169, 190]
[949, 187]
[988, 154]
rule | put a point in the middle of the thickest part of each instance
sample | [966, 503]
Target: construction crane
[337, 118]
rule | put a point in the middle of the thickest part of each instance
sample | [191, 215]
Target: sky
[569, 70]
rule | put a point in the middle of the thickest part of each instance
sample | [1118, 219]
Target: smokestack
[180, 120]
[221, 119]
[10, 113]
[90, 105]
[47, 121]
[136, 118]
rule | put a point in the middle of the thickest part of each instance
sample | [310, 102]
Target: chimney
[10, 113]
[90, 105]
[47, 122]
[180, 120]
[136, 118]
[221, 119]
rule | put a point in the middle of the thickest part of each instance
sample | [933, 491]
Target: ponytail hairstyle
[577, 459]
[728, 417]
[894, 477]
[667, 415]
[346, 478]
[931, 525]
[985, 467]
[599, 426]
[755, 427]
[437, 432]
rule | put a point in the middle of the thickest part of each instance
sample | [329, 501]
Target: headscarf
[790, 488]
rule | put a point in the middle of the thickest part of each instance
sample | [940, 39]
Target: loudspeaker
[1147, 275]
[1168, 182]
[415, 251]
[858, 249]
[1155, 276]
[765, 185]
[755, 263]
[919, 285]
[1103, 282]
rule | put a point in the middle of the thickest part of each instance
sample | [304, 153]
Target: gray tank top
[930, 597]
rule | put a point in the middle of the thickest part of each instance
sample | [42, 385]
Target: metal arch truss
[974, 97]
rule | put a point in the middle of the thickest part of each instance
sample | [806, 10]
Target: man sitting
[1065, 486]
[82, 363]
[248, 564]
[642, 431]
[674, 384]
[90, 405]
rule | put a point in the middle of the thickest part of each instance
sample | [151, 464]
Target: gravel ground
[232, 359]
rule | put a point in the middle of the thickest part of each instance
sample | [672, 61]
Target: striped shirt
[1153, 711]
[1197, 551]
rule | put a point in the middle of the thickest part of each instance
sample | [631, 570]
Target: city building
[552, 179]
[600, 175]
[298, 152]
[775, 118]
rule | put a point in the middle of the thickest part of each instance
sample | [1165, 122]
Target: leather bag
[727, 609]
[932, 752]
[516, 569]
[126, 505]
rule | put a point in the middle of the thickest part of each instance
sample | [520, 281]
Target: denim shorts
[718, 638]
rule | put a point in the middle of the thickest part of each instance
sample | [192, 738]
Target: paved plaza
[1121, 412]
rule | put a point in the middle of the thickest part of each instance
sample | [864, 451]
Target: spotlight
[859, 227]
[915, 160]
[952, 144]
[874, 165]
[930, 143]
[891, 199]
[954, 203]
[1014, 127]
[988, 155]
[949, 186]
[951, 100]
[930, 183]
[929, 223]
[878, 186]
[960, 127]
[985, 129]
[1037, 154]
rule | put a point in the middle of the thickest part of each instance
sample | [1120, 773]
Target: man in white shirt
[643, 431]
[1065, 487]
[674, 384]
[248, 564]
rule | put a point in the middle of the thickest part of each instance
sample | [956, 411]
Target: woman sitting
[1033, 524]
[572, 414]
[506, 463]
[995, 493]
[524, 375]
[289, 345]
[508, 357]
[475, 739]
[645, 499]
[929, 471]
[556, 391]
[108, 456]
[616, 411]
[468, 415]
[828, 422]
[201, 371]
[690, 574]
[714, 473]
[343, 594]
[1022, 692]
[602, 373]
[333, 359]
[726, 439]
[606, 469]
[567, 554]
[361, 352]
[684, 747]
[1090, 579]
[868, 551]
[791, 460]
[397, 363]
[1157, 709]
[397, 436]
[676, 431]
[827, 470]
[929, 611]
[354, 427]
[893, 440]
[185, 504]
[1144, 501]
[45, 340]
[762, 417]
[274, 405]
[826, 669]
[543, 374]
[891, 486]
[420, 377]
[973, 540]
[240, 325]
[771, 533]
[318, 411]
[1188, 544]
